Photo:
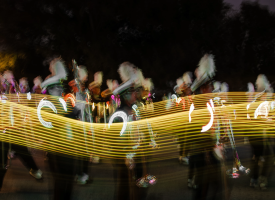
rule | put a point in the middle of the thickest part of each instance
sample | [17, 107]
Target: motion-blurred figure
[98, 105]
[184, 93]
[125, 170]
[62, 166]
[11, 87]
[261, 145]
[203, 158]
[83, 110]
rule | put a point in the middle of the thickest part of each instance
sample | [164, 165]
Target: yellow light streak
[108, 144]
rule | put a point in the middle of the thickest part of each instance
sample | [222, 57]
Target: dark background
[164, 38]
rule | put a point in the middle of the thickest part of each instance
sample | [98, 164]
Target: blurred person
[12, 87]
[261, 145]
[148, 87]
[127, 170]
[145, 134]
[36, 89]
[98, 101]
[61, 165]
[84, 114]
[203, 158]
[184, 92]
[98, 104]
[24, 85]
[107, 94]
[4, 146]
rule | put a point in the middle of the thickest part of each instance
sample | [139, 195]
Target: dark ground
[172, 182]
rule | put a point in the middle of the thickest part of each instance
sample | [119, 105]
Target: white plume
[58, 69]
[139, 78]
[148, 84]
[217, 86]
[250, 87]
[224, 87]
[115, 85]
[109, 83]
[262, 83]
[126, 71]
[98, 77]
[206, 66]
[179, 82]
[187, 78]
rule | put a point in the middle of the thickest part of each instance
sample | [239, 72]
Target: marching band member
[108, 94]
[97, 99]
[125, 171]
[261, 145]
[184, 92]
[148, 86]
[62, 166]
[204, 148]
[11, 87]
[98, 104]
[24, 85]
[37, 85]
[83, 109]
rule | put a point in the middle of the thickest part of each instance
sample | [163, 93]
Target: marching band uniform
[184, 91]
[98, 105]
[62, 166]
[107, 94]
[97, 99]
[84, 114]
[202, 150]
[125, 173]
[3, 145]
[261, 145]
[22, 152]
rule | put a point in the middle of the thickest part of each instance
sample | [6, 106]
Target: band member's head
[204, 73]
[262, 83]
[224, 87]
[112, 85]
[37, 85]
[148, 86]
[126, 90]
[187, 82]
[206, 87]
[54, 82]
[24, 85]
[94, 87]
[250, 87]
[82, 73]
[8, 76]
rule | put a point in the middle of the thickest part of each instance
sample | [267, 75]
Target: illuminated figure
[261, 145]
[125, 170]
[24, 85]
[112, 100]
[184, 95]
[148, 87]
[36, 89]
[94, 87]
[62, 166]
[83, 112]
[11, 87]
[98, 105]
[202, 154]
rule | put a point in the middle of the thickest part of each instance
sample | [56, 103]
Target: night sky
[164, 38]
